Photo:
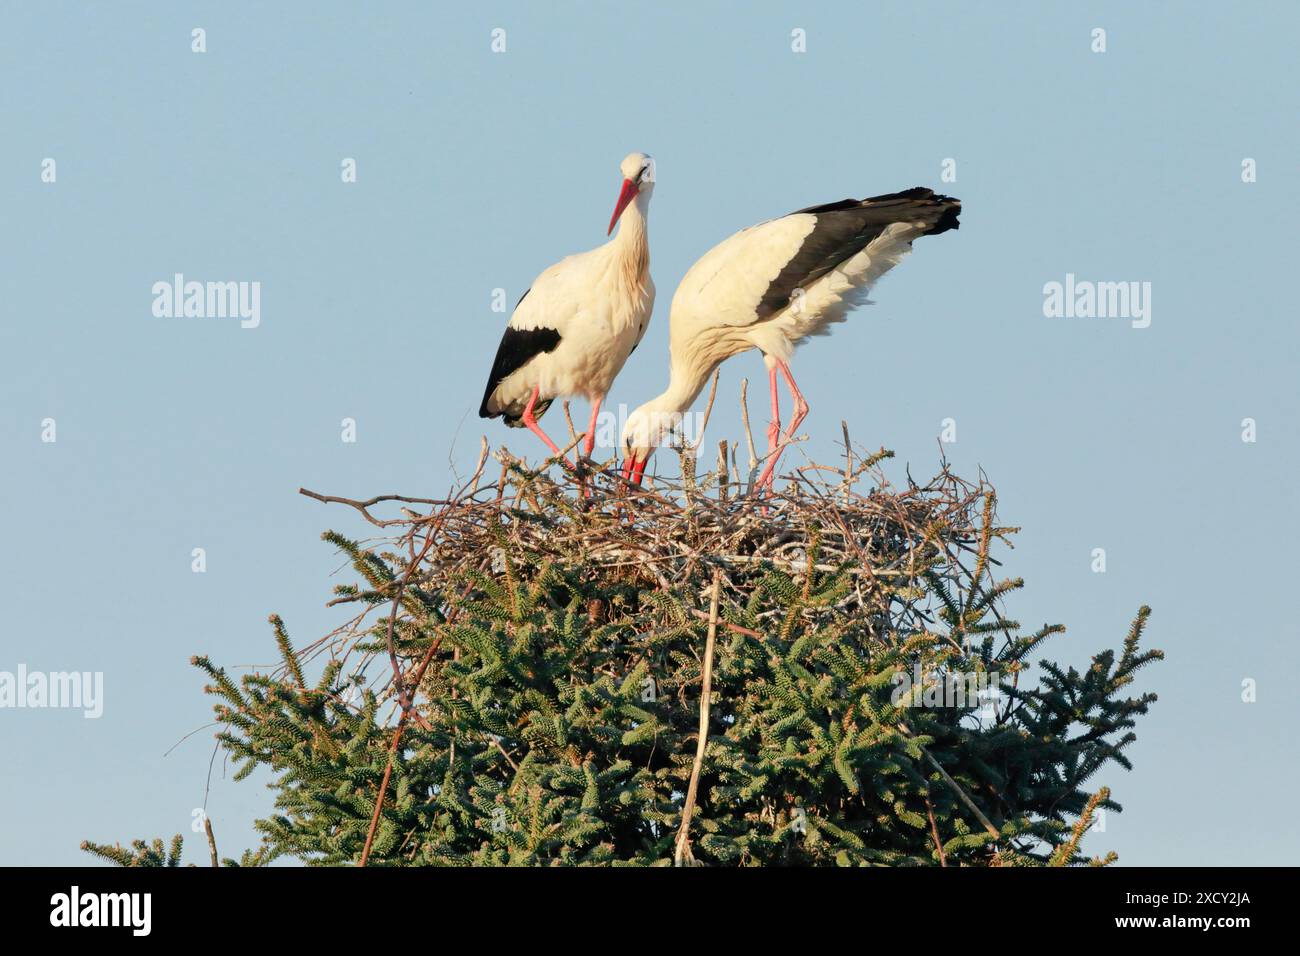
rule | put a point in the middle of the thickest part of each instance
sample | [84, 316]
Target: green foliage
[556, 713]
[141, 853]
[153, 854]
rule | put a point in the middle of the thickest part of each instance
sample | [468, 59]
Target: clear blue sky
[476, 170]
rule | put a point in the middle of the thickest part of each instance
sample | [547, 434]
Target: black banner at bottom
[333, 904]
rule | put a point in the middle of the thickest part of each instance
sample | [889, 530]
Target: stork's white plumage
[574, 328]
[771, 286]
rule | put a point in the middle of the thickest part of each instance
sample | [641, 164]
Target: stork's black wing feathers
[845, 228]
[517, 347]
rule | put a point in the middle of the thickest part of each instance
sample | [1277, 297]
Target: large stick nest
[895, 543]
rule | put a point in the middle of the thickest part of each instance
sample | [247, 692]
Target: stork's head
[638, 171]
[643, 432]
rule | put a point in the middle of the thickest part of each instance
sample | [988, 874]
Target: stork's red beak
[625, 196]
[634, 468]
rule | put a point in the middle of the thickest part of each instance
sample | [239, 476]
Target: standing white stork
[574, 328]
[771, 286]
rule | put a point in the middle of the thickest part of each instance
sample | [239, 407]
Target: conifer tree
[523, 684]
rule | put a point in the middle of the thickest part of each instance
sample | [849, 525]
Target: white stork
[574, 328]
[771, 286]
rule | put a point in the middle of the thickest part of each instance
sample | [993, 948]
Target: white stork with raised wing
[771, 286]
[574, 328]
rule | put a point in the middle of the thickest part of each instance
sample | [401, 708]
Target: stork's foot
[762, 494]
[762, 489]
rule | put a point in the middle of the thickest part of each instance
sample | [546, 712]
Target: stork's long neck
[684, 386]
[631, 245]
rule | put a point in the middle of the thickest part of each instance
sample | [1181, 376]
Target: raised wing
[754, 274]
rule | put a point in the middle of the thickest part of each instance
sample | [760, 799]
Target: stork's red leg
[800, 413]
[773, 435]
[589, 445]
[800, 406]
[531, 422]
[773, 426]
